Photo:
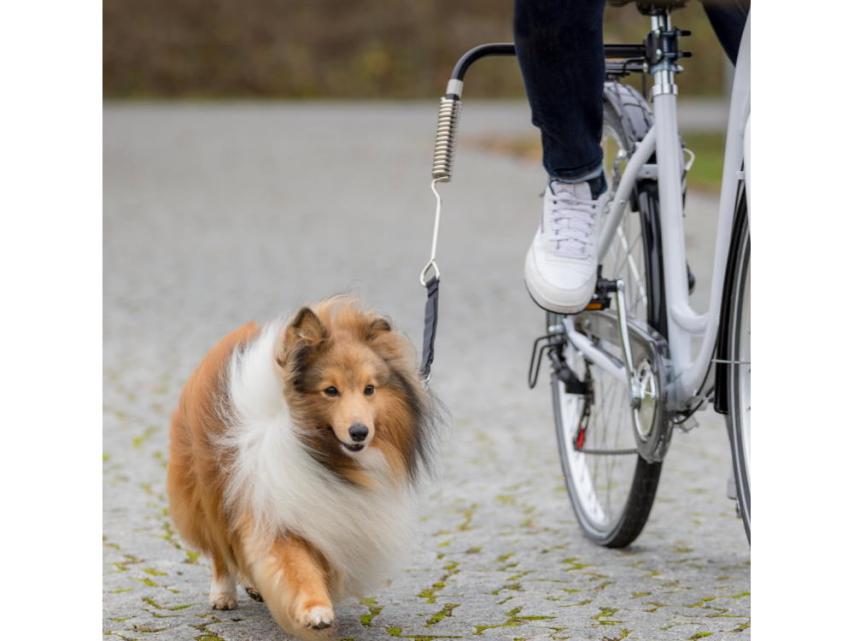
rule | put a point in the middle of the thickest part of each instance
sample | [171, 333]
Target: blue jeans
[560, 51]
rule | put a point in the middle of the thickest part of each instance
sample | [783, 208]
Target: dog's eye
[369, 390]
[331, 391]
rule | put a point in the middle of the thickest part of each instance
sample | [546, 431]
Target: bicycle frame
[688, 371]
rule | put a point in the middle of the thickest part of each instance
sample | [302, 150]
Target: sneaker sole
[551, 307]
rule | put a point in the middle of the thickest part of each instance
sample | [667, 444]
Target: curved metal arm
[481, 51]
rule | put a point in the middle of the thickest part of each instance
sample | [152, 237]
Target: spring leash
[443, 156]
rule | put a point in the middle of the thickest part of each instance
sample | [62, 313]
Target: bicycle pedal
[597, 304]
[601, 298]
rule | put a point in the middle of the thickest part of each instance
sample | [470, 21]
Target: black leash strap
[430, 279]
[431, 323]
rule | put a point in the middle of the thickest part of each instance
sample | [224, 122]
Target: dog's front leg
[293, 579]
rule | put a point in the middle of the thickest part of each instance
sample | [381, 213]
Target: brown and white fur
[263, 476]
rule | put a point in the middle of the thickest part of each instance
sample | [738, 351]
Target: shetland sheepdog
[295, 451]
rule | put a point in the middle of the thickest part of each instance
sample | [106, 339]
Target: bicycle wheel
[738, 358]
[612, 494]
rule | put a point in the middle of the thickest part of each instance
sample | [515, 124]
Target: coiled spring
[446, 129]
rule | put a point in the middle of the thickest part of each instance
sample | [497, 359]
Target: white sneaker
[560, 268]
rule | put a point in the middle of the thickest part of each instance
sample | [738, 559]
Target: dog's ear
[376, 328]
[305, 332]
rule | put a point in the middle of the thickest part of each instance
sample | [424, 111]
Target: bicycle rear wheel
[610, 486]
[738, 360]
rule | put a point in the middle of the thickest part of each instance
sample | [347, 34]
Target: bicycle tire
[640, 496]
[737, 356]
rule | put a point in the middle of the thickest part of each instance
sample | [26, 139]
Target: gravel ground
[216, 214]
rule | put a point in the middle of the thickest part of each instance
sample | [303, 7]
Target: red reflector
[579, 438]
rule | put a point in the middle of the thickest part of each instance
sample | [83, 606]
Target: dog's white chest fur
[362, 533]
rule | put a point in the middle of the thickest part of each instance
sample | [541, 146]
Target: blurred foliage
[338, 48]
[705, 174]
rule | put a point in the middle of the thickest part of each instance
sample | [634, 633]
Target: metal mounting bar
[509, 49]
[481, 51]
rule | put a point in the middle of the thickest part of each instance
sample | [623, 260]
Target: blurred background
[370, 50]
[338, 48]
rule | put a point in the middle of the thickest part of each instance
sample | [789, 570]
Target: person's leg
[728, 20]
[560, 52]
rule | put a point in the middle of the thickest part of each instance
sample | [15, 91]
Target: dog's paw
[253, 594]
[317, 617]
[223, 601]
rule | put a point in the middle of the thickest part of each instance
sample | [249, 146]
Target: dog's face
[345, 386]
[348, 387]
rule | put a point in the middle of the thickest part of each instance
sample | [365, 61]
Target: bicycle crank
[636, 354]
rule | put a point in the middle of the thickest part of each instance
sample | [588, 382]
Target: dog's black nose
[358, 432]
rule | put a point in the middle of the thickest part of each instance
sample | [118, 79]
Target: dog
[295, 454]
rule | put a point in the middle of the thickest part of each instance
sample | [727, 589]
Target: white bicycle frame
[688, 371]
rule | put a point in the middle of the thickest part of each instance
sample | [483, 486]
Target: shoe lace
[572, 223]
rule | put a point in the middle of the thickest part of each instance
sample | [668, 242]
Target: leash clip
[425, 273]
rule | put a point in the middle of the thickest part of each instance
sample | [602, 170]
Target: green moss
[446, 611]
[574, 564]
[207, 636]
[139, 440]
[638, 595]
[515, 587]
[741, 627]
[468, 515]
[153, 572]
[373, 611]
[624, 633]
[603, 616]
[513, 620]
[160, 458]
[146, 629]
[152, 603]
[429, 594]
[505, 499]
[519, 575]
[129, 559]
[699, 635]
[191, 556]
[702, 602]
[473, 550]
[396, 632]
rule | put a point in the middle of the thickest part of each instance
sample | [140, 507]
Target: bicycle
[623, 374]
